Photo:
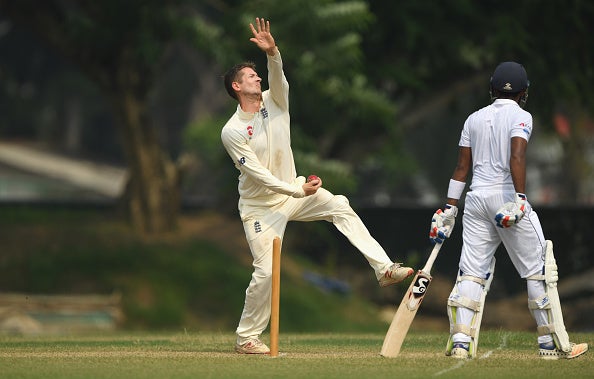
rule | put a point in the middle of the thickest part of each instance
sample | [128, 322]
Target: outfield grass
[210, 355]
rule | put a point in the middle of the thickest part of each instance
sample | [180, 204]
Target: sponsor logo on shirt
[257, 227]
[241, 161]
[264, 112]
[250, 131]
[524, 128]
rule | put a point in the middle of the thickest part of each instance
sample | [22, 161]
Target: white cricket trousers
[524, 243]
[262, 224]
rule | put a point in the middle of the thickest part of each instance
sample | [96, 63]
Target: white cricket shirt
[488, 132]
[260, 144]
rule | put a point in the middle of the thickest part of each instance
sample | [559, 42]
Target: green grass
[210, 355]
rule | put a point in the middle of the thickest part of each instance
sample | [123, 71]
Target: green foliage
[333, 106]
[434, 62]
[446, 43]
[213, 171]
[336, 174]
[174, 282]
[331, 100]
[368, 78]
[204, 139]
[162, 284]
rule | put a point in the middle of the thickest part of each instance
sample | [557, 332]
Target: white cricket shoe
[253, 346]
[549, 351]
[395, 274]
[459, 351]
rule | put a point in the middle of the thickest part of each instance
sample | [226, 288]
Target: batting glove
[511, 212]
[442, 223]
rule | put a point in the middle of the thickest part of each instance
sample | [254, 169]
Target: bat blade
[405, 314]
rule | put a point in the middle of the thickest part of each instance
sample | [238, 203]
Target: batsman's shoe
[549, 351]
[459, 351]
[253, 346]
[395, 274]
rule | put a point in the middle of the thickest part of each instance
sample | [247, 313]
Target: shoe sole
[240, 350]
[549, 355]
[251, 352]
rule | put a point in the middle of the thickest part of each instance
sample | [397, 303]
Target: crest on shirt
[250, 131]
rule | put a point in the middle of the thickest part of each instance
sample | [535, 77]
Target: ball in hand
[312, 177]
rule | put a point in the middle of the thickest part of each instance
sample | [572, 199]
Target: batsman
[493, 145]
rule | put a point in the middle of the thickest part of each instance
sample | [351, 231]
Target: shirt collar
[247, 115]
[505, 101]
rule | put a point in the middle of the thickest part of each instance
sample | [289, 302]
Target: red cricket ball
[312, 177]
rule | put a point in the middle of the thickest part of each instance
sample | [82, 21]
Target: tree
[434, 61]
[337, 116]
[119, 46]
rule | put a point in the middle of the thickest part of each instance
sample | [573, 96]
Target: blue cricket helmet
[509, 77]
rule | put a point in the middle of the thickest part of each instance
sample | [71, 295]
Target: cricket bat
[408, 308]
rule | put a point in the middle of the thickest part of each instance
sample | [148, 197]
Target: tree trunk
[152, 196]
[124, 74]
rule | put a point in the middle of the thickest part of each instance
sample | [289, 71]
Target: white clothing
[488, 132]
[271, 195]
[260, 144]
[524, 242]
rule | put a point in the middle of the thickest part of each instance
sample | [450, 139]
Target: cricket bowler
[257, 138]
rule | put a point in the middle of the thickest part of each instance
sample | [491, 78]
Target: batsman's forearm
[518, 173]
[458, 180]
[517, 163]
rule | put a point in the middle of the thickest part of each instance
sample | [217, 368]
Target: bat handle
[432, 257]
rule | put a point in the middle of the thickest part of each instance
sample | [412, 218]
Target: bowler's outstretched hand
[262, 37]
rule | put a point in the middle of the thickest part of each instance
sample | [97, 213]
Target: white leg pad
[551, 302]
[456, 300]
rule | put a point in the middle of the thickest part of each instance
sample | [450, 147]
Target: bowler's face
[249, 82]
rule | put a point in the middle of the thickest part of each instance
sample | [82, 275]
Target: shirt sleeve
[522, 127]
[248, 163]
[465, 135]
[279, 86]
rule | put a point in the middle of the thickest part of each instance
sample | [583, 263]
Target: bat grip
[432, 257]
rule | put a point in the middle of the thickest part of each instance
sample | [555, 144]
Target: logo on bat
[418, 292]
[420, 286]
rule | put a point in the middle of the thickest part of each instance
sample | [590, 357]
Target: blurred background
[118, 202]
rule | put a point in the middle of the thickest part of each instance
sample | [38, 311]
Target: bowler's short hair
[234, 75]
